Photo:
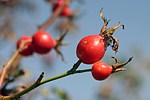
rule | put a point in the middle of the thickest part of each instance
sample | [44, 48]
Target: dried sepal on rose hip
[90, 49]
[108, 33]
[101, 71]
[119, 67]
[43, 42]
[59, 42]
[24, 45]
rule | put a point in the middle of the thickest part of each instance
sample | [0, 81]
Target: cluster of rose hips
[41, 43]
[91, 49]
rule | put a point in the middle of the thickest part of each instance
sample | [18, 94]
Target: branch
[54, 16]
[11, 61]
[6, 66]
[33, 86]
[75, 66]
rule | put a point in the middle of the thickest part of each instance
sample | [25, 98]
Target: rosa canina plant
[90, 50]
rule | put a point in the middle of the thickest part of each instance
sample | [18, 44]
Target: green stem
[35, 85]
[63, 75]
[75, 67]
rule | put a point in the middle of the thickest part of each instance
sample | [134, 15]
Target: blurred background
[23, 17]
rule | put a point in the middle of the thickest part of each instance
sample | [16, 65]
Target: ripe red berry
[28, 50]
[90, 49]
[101, 71]
[43, 42]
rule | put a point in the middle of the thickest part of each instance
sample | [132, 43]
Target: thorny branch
[39, 82]
[116, 67]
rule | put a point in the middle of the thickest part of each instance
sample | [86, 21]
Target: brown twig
[5, 67]
[12, 59]
[14, 65]
[54, 16]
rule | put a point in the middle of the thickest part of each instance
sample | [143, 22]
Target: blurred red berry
[28, 49]
[65, 11]
[43, 42]
[101, 71]
[91, 49]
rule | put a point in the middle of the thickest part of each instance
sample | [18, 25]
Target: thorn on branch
[75, 67]
[39, 79]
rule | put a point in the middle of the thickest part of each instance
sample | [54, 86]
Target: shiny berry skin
[28, 50]
[90, 49]
[43, 42]
[101, 71]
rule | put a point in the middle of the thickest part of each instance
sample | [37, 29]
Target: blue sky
[133, 14]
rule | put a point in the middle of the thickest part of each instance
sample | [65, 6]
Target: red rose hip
[101, 71]
[65, 11]
[90, 49]
[27, 49]
[43, 42]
